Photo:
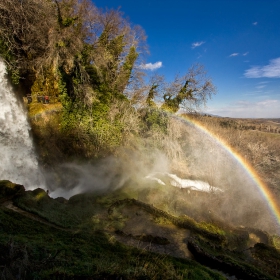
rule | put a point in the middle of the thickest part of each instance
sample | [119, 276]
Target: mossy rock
[9, 189]
[268, 257]
[61, 200]
[231, 262]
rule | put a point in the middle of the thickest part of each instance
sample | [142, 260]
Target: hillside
[265, 125]
[257, 140]
[114, 235]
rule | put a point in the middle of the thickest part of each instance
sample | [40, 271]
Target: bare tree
[190, 91]
[24, 31]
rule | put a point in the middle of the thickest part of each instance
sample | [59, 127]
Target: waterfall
[18, 162]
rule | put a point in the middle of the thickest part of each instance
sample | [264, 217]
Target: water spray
[18, 159]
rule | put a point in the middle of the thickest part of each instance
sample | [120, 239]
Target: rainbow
[249, 170]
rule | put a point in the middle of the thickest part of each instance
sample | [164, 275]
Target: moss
[232, 262]
[43, 253]
[276, 241]
[8, 189]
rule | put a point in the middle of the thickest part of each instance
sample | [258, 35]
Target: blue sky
[238, 42]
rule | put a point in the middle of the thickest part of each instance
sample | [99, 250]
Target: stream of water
[18, 162]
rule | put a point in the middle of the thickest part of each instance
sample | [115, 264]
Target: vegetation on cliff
[89, 60]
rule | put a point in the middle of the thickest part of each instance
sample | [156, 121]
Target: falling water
[18, 161]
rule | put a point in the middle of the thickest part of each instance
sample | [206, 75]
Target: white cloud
[197, 44]
[255, 23]
[268, 108]
[244, 54]
[260, 86]
[234, 54]
[272, 70]
[151, 66]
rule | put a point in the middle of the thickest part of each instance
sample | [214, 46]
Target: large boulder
[9, 189]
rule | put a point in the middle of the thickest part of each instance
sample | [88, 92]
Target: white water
[175, 181]
[18, 161]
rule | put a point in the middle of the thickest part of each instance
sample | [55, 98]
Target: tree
[24, 32]
[189, 92]
[113, 56]
[45, 37]
[151, 95]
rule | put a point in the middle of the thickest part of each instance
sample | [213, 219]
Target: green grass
[36, 251]
[83, 210]
[84, 244]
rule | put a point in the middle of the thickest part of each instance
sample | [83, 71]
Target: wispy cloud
[272, 70]
[234, 54]
[244, 54]
[197, 44]
[255, 23]
[260, 86]
[151, 66]
[268, 108]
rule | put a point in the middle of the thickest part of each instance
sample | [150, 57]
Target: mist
[104, 175]
[209, 186]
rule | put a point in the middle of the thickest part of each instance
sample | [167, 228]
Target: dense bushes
[88, 60]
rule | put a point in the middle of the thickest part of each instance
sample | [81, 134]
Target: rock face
[9, 189]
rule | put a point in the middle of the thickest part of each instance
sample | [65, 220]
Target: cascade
[18, 162]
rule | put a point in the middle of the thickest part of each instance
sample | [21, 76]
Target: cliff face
[86, 237]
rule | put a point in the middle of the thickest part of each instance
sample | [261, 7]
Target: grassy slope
[34, 250]
[84, 246]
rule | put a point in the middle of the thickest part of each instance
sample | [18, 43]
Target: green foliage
[151, 95]
[68, 21]
[154, 120]
[13, 71]
[90, 127]
[4, 51]
[171, 104]
[126, 69]
[172, 101]
[15, 76]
